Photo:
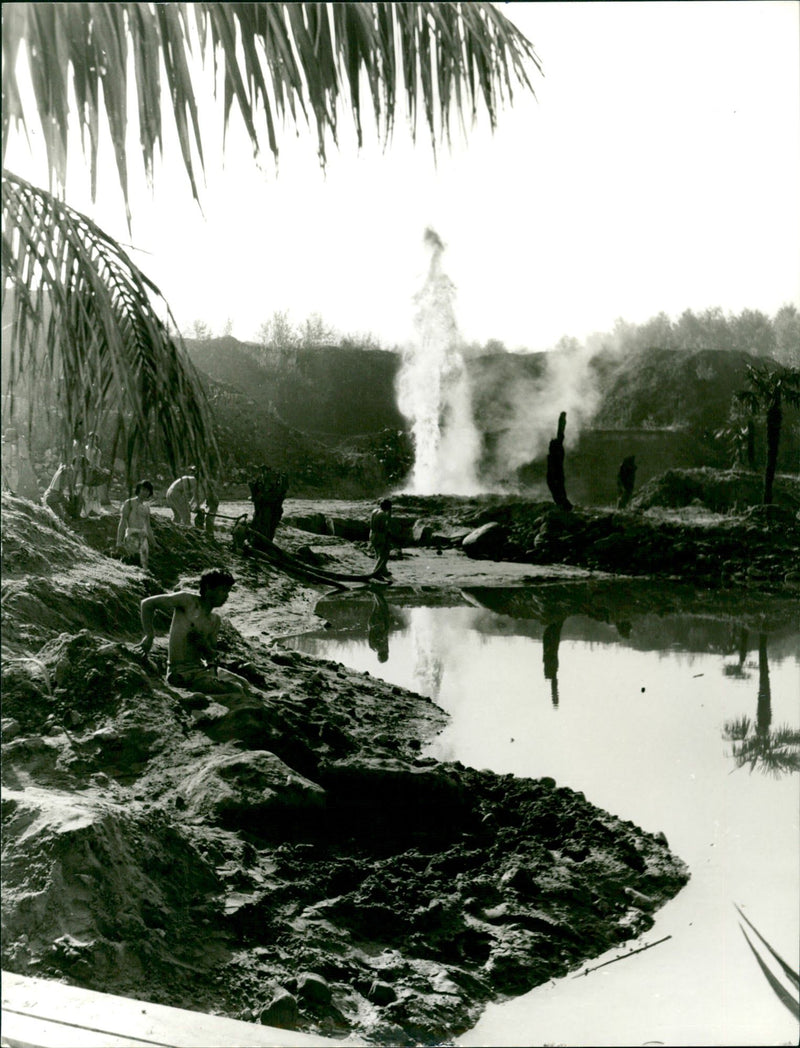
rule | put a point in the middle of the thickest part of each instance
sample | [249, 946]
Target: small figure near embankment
[135, 532]
[59, 493]
[268, 489]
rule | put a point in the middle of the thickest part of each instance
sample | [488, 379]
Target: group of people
[194, 627]
[192, 644]
[135, 531]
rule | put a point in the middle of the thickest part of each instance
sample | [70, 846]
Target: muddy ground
[291, 858]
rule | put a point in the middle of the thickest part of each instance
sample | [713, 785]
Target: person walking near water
[135, 533]
[380, 540]
[180, 497]
[193, 635]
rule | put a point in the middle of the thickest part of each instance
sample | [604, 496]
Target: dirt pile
[289, 856]
[673, 529]
[721, 491]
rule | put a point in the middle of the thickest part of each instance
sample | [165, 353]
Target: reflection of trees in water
[737, 669]
[551, 639]
[773, 751]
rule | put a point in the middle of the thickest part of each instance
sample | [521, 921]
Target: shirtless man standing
[135, 534]
[193, 635]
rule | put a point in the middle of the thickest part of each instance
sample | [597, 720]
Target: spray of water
[433, 390]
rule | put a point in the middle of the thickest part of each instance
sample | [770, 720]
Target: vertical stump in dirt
[555, 466]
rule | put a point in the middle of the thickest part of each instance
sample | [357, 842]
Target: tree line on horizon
[750, 331]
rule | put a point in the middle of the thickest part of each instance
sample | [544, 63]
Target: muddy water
[643, 717]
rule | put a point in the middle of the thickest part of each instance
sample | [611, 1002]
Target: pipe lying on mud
[293, 565]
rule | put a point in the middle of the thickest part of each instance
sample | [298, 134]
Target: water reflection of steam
[430, 650]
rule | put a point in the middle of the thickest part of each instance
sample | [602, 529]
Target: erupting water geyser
[433, 390]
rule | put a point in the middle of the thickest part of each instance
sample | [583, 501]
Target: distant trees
[787, 336]
[200, 330]
[769, 388]
[751, 331]
[280, 335]
[277, 332]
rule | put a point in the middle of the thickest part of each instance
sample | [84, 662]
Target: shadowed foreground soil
[289, 857]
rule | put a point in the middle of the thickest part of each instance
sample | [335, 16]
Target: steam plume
[568, 383]
[433, 390]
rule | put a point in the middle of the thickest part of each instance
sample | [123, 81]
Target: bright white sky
[658, 169]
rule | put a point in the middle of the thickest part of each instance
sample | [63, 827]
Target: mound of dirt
[720, 491]
[284, 856]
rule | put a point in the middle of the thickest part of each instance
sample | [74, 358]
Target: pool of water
[682, 719]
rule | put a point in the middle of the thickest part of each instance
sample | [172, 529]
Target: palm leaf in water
[785, 996]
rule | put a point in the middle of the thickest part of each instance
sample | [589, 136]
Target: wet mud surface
[287, 857]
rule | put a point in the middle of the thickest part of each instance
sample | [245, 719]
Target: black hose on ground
[289, 563]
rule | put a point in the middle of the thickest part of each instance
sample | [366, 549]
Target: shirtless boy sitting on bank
[193, 635]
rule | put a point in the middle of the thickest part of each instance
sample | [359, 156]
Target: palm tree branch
[83, 318]
[277, 59]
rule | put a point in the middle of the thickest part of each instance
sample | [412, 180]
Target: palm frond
[84, 325]
[768, 384]
[277, 60]
[791, 974]
[774, 752]
[787, 997]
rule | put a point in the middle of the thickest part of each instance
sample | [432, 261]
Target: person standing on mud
[181, 494]
[379, 537]
[135, 533]
[193, 635]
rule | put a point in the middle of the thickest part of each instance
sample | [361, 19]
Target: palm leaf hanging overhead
[276, 61]
[83, 325]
